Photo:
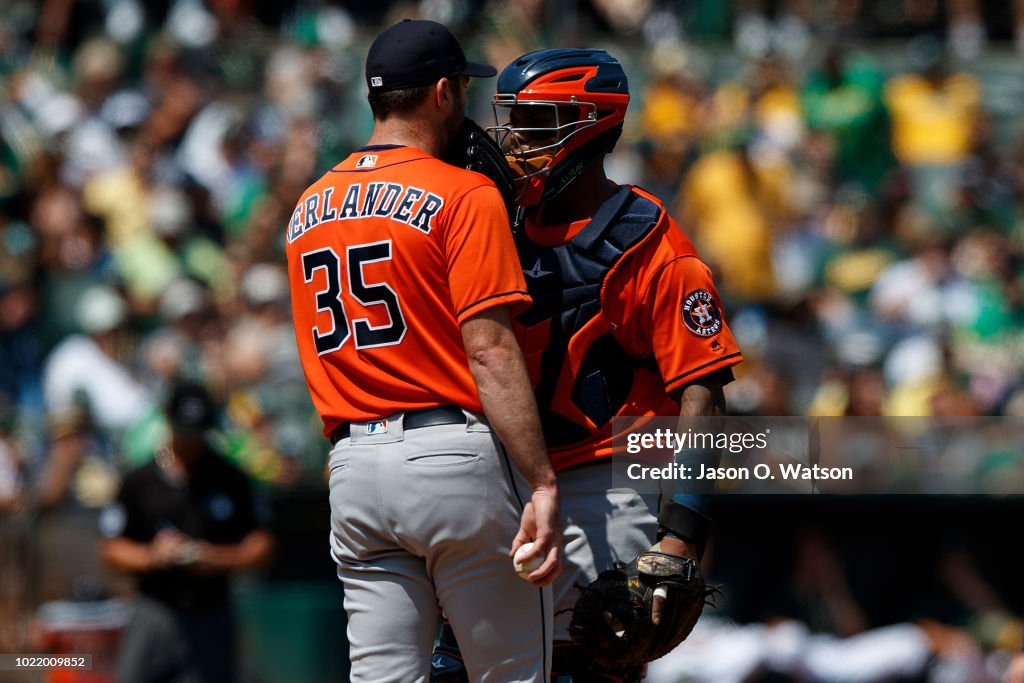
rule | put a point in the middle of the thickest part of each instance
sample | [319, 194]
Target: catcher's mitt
[612, 617]
[474, 149]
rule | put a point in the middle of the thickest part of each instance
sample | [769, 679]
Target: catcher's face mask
[556, 112]
[533, 136]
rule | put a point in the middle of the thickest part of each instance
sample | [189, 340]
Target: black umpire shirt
[215, 504]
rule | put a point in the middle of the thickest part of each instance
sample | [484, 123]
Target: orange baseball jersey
[388, 253]
[651, 323]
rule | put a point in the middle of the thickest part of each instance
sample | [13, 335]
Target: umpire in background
[403, 280]
[183, 523]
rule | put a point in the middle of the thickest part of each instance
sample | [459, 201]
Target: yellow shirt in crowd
[932, 124]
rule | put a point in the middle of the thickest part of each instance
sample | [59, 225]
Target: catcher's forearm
[702, 398]
[685, 515]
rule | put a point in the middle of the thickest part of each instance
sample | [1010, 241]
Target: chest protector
[585, 374]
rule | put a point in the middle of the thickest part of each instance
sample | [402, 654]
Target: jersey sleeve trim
[702, 370]
[492, 300]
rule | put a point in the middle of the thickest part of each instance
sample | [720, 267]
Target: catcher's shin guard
[570, 664]
[446, 664]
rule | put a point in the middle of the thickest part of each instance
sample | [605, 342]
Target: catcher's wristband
[687, 524]
[695, 493]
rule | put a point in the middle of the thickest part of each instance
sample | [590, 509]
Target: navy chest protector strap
[588, 237]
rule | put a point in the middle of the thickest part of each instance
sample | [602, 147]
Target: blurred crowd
[865, 228]
[858, 198]
[862, 213]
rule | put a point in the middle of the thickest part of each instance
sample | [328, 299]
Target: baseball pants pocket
[337, 464]
[447, 458]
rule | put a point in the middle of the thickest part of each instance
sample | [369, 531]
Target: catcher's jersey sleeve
[682, 316]
[663, 303]
[388, 254]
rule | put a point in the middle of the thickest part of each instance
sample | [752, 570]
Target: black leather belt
[414, 419]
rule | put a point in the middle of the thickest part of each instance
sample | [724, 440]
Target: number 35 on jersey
[322, 269]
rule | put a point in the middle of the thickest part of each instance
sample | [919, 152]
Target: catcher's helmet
[557, 112]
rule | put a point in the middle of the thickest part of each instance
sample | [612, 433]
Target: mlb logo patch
[378, 427]
[376, 81]
[367, 161]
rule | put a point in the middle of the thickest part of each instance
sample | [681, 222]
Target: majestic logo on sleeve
[700, 314]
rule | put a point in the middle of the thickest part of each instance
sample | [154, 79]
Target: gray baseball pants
[422, 521]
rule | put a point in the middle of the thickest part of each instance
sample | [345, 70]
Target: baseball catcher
[610, 273]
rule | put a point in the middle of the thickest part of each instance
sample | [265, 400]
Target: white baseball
[523, 569]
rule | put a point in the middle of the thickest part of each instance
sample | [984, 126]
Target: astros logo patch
[700, 314]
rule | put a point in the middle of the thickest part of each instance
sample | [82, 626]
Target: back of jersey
[388, 253]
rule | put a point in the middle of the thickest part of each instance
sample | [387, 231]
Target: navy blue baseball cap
[414, 53]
